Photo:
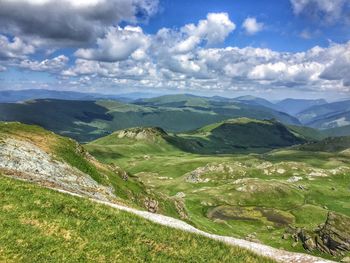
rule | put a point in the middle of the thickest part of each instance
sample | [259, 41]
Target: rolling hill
[236, 177]
[337, 132]
[89, 120]
[230, 136]
[252, 100]
[231, 108]
[76, 220]
[243, 134]
[331, 144]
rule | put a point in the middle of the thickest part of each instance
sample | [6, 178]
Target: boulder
[151, 205]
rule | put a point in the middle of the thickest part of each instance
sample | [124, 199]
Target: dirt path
[263, 250]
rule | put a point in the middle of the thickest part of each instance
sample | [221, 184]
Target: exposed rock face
[26, 161]
[150, 134]
[332, 237]
[151, 205]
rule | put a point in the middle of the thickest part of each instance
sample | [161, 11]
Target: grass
[250, 186]
[88, 120]
[41, 225]
[132, 192]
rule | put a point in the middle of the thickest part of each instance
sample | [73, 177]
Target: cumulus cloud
[118, 44]
[251, 26]
[322, 11]
[338, 66]
[15, 48]
[50, 65]
[213, 30]
[186, 58]
[69, 22]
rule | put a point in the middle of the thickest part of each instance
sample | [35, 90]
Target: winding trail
[262, 250]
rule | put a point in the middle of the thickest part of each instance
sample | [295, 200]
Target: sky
[272, 49]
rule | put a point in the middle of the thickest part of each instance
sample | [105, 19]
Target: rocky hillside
[33, 154]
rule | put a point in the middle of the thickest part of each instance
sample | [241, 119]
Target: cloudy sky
[268, 48]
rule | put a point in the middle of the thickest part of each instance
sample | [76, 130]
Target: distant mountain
[294, 106]
[252, 100]
[330, 115]
[89, 120]
[33, 94]
[231, 108]
[333, 121]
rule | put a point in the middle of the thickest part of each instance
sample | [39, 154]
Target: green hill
[336, 132]
[230, 108]
[41, 225]
[89, 120]
[310, 134]
[230, 136]
[243, 134]
[61, 162]
[331, 144]
[243, 194]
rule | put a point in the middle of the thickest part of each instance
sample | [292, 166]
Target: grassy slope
[307, 133]
[331, 144]
[40, 225]
[166, 172]
[243, 135]
[131, 192]
[336, 132]
[230, 136]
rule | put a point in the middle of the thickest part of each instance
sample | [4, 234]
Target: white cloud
[322, 11]
[338, 65]
[118, 44]
[186, 59]
[50, 65]
[251, 26]
[15, 48]
[213, 30]
[67, 22]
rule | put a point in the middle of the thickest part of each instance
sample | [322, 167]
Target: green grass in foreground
[41, 225]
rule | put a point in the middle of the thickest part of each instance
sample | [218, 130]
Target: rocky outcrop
[149, 134]
[151, 205]
[24, 160]
[332, 237]
[226, 170]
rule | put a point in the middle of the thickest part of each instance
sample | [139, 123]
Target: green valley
[255, 196]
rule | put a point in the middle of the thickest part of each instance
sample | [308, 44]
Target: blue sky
[274, 49]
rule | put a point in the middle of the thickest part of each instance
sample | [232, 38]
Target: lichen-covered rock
[151, 205]
[332, 237]
[334, 234]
